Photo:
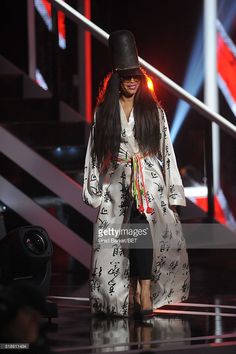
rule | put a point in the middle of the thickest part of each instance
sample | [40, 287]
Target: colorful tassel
[138, 185]
[149, 210]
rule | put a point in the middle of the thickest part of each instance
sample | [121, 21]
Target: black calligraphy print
[179, 246]
[125, 198]
[155, 296]
[185, 286]
[148, 163]
[117, 251]
[171, 292]
[123, 177]
[164, 207]
[96, 304]
[166, 233]
[160, 189]
[125, 305]
[173, 193]
[114, 271]
[168, 164]
[96, 272]
[95, 190]
[154, 174]
[104, 211]
[94, 163]
[123, 133]
[164, 246]
[149, 196]
[94, 285]
[93, 178]
[86, 200]
[103, 224]
[124, 153]
[107, 196]
[173, 265]
[167, 151]
[165, 133]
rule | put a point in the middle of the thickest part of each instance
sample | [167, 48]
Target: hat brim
[129, 72]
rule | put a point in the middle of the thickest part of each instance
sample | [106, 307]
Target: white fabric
[109, 278]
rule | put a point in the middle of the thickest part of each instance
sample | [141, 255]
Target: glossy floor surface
[207, 321]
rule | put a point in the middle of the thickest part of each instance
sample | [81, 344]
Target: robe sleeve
[171, 173]
[92, 195]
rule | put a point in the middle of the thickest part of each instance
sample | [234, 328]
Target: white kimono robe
[109, 275]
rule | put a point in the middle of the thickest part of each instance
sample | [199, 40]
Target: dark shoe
[146, 313]
[140, 313]
[136, 308]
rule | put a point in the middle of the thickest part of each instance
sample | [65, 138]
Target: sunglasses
[130, 77]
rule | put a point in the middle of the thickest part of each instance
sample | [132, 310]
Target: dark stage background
[164, 32]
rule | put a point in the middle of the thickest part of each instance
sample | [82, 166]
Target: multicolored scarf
[138, 184]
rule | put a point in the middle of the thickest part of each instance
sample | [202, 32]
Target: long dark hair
[107, 130]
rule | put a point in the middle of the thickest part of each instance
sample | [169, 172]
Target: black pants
[141, 252]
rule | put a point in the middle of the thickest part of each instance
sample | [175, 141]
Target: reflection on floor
[174, 327]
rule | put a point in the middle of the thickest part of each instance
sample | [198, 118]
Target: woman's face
[129, 85]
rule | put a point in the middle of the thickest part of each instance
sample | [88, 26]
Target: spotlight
[35, 242]
[58, 149]
[150, 84]
[25, 256]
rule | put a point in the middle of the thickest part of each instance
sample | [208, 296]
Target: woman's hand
[176, 215]
[173, 208]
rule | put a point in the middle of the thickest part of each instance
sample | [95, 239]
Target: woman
[130, 148]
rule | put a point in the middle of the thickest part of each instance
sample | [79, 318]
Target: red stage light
[150, 84]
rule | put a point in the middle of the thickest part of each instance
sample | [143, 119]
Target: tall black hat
[124, 53]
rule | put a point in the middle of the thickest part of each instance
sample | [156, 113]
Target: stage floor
[206, 323]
